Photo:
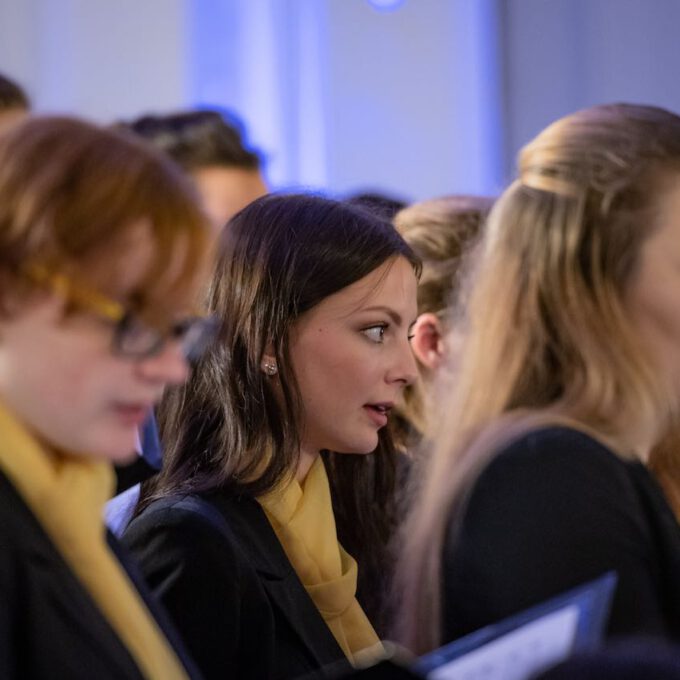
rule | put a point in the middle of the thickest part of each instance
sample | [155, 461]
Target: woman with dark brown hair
[267, 501]
[102, 254]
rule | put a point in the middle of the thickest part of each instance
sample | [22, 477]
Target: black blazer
[555, 509]
[224, 577]
[49, 625]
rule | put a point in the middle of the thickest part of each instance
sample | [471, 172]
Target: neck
[632, 441]
[306, 461]
[641, 440]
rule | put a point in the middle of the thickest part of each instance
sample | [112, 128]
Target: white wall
[338, 94]
[563, 55]
[435, 97]
[97, 58]
[346, 97]
[411, 96]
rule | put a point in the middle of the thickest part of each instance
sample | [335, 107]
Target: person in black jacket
[267, 502]
[102, 253]
[567, 377]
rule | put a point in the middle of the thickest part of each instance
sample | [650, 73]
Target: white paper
[519, 654]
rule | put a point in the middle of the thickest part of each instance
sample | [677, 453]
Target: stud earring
[270, 368]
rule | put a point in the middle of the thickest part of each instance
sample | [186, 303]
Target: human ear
[427, 342]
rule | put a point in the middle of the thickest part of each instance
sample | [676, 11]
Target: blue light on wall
[386, 5]
[331, 95]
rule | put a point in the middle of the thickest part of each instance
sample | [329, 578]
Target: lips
[379, 412]
[132, 414]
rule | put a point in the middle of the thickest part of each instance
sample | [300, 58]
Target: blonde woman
[102, 249]
[441, 231]
[568, 375]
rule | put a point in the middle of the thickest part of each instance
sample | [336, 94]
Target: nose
[168, 367]
[404, 368]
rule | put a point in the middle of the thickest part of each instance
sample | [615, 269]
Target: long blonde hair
[546, 327]
[441, 231]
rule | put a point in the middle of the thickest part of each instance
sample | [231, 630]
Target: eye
[375, 333]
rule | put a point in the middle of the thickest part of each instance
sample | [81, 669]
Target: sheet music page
[515, 656]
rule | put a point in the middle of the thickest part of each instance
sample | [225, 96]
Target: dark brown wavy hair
[226, 428]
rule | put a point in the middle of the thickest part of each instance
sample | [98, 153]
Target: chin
[120, 450]
[359, 449]
[356, 440]
[123, 457]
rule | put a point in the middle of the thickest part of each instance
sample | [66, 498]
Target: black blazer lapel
[304, 618]
[78, 613]
[157, 611]
[250, 526]
[59, 594]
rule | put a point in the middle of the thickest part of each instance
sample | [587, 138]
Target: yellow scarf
[67, 496]
[303, 521]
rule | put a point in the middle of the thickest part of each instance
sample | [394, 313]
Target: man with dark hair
[210, 146]
[14, 102]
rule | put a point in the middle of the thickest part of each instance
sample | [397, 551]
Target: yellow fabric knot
[302, 518]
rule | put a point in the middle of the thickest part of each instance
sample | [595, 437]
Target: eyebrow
[395, 316]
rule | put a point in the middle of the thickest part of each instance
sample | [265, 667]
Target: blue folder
[586, 609]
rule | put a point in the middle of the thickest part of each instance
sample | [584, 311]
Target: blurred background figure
[103, 246]
[14, 102]
[379, 203]
[210, 145]
[441, 231]
[567, 376]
